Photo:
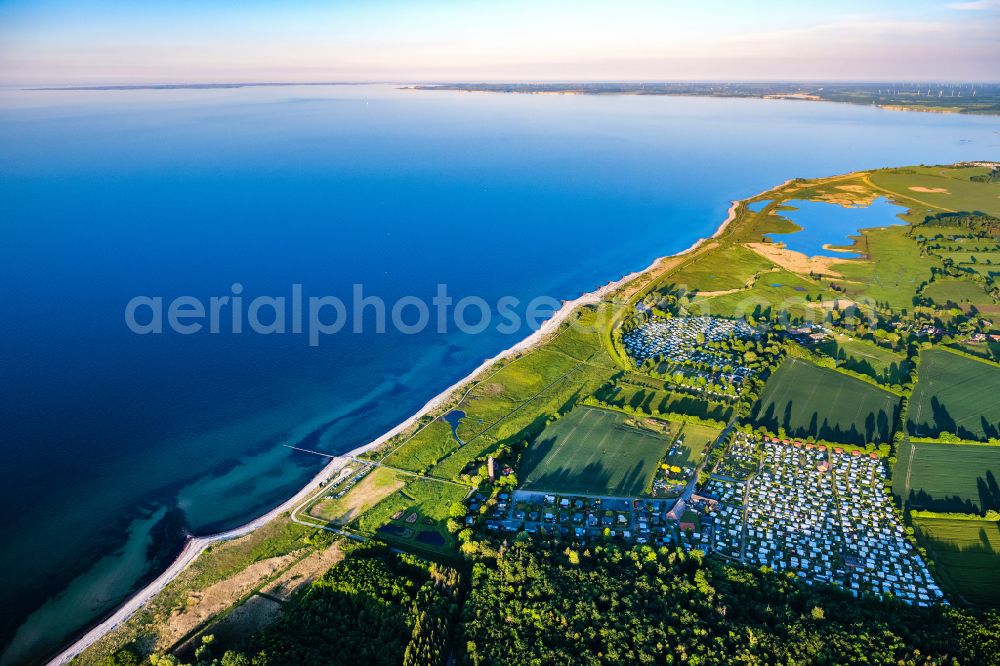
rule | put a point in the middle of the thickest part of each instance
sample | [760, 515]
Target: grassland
[959, 193]
[967, 555]
[376, 486]
[879, 363]
[697, 438]
[957, 291]
[223, 575]
[989, 350]
[808, 401]
[777, 291]
[592, 451]
[424, 449]
[955, 394]
[893, 271]
[947, 477]
[415, 516]
[740, 268]
[645, 399]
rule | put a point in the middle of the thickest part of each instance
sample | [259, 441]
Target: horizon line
[439, 82]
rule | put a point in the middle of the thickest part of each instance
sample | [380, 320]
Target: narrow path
[909, 469]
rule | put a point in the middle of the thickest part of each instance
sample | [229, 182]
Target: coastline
[196, 545]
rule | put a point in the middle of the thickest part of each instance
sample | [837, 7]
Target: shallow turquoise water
[115, 443]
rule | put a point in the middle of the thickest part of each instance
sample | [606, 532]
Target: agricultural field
[989, 350]
[415, 516]
[883, 365]
[513, 402]
[947, 477]
[592, 451]
[955, 394]
[957, 291]
[376, 486]
[808, 401]
[967, 553]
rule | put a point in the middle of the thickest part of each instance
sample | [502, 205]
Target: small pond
[453, 417]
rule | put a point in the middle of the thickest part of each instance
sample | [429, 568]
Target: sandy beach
[196, 545]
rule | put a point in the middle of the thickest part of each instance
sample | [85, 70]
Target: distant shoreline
[196, 545]
[886, 96]
[916, 96]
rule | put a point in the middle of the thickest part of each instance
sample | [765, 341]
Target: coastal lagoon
[116, 445]
[827, 227]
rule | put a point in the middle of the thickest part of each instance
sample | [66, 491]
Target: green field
[989, 350]
[376, 486]
[592, 451]
[960, 193]
[425, 448]
[697, 437]
[957, 291]
[415, 516]
[739, 268]
[663, 402]
[879, 363]
[809, 401]
[967, 554]
[955, 394]
[775, 291]
[894, 271]
[947, 477]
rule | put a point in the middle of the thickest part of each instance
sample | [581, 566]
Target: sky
[181, 41]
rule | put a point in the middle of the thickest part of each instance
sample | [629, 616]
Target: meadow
[376, 486]
[955, 394]
[697, 437]
[947, 477]
[883, 365]
[893, 271]
[967, 554]
[774, 292]
[959, 192]
[425, 448]
[957, 291]
[808, 401]
[415, 516]
[739, 268]
[637, 395]
[592, 451]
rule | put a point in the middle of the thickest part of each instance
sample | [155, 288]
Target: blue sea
[115, 444]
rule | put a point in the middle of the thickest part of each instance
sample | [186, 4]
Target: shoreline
[196, 545]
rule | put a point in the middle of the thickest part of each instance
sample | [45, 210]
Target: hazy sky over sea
[114, 41]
